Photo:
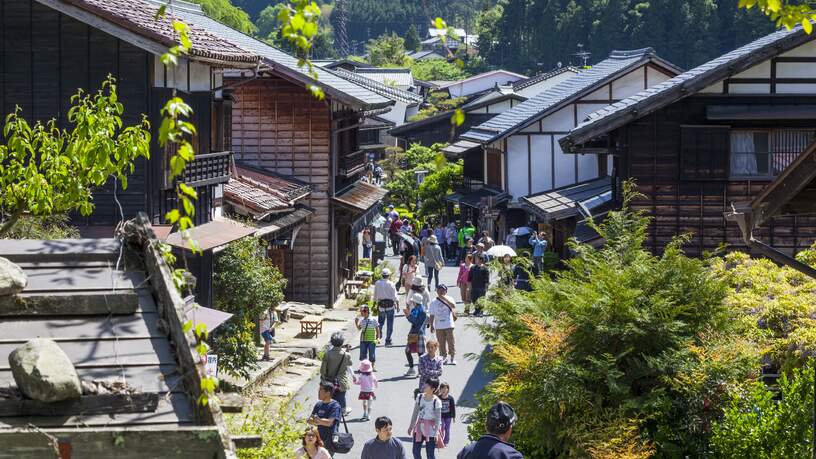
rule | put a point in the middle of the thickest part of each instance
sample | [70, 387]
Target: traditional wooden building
[709, 137]
[50, 48]
[278, 126]
[516, 154]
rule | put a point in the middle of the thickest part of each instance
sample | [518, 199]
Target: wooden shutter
[494, 167]
[704, 152]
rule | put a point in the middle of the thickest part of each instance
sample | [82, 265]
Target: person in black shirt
[479, 278]
[326, 415]
[448, 410]
[495, 443]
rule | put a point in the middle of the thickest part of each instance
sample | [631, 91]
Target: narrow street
[394, 396]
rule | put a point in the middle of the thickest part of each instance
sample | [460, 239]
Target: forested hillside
[527, 35]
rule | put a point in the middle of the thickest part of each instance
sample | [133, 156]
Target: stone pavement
[395, 394]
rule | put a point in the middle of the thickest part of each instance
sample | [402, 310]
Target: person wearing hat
[415, 313]
[418, 286]
[434, 261]
[442, 317]
[335, 369]
[385, 297]
[495, 443]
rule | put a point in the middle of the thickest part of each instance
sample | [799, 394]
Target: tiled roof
[428, 53]
[279, 61]
[571, 200]
[261, 192]
[361, 196]
[521, 84]
[520, 116]
[139, 17]
[381, 89]
[486, 75]
[391, 77]
[211, 235]
[685, 84]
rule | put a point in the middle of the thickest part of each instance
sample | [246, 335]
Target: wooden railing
[352, 162]
[208, 169]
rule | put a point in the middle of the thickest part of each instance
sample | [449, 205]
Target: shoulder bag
[450, 307]
[343, 442]
[335, 380]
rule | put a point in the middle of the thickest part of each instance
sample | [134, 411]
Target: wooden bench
[311, 325]
[353, 287]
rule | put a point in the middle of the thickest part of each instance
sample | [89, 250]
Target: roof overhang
[211, 235]
[360, 197]
[483, 198]
[581, 199]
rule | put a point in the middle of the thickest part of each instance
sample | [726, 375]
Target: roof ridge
[630, 53]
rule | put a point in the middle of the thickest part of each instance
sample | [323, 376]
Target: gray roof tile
[685, 84]
[521, 115]
[384, 90]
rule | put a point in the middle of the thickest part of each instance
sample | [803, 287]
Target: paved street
[394, 396]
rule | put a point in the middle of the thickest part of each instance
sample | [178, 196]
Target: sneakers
[411, 372]
[365, 417]
[452, 362]
[347, 412]
[388, 342]
[266, 358]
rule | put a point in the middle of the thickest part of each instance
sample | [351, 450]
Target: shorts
[268, 335]
[367, 396]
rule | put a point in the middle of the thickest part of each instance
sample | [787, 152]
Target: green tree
[231, 15]
[412, 40]
[437, 69]
[45, 170]
[438, 102]
[245, 284]
[387, 51]
[438, 184]
[269, 30]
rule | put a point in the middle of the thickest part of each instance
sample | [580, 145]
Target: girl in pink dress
[367, 382]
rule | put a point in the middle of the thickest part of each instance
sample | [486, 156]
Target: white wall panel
[587, 167]
[601, 93]
[795, 70]
[716, 88]
[629, 84]
[761, 70]
[585, 109]
[499, 107]
[541, 158]
[564, 166]
[532, 128]
[806, 50]
[562, 120]
[791, 88]
[748, 88]
[517, 166]
[200, 77]
[654, 76]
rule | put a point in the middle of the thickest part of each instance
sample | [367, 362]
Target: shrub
[245, 284]
[278, 426]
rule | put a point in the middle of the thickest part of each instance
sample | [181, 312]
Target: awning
[213, 234]
[259, 193]
[360, 197]
[283, 222]
[212, 318]
[572, 200]
[458, 149]
[478, 199]
[760, 112]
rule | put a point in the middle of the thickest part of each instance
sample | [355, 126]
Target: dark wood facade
[681, 159]
[46, 56]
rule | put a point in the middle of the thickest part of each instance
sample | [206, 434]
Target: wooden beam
[84, 405]
[784, 188]
[69, 304]
[782, 258]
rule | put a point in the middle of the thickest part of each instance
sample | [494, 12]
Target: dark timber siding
[650, 154]
[46, 56]
[280, 127]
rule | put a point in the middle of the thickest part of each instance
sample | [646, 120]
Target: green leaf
[160, 12]
[172, 217]
[807, 26]
[187, 326]
[458, 117]
[440, 24]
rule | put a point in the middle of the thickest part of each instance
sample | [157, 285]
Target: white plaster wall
[561, 121]
[517, 166]
[806, 50]
[629, 84]
[532, 128]
[716, 88]
[748, 88]
[790, 88]
[601, 93]
[480, 110]
[587, 167]
[200, 77]
[541, 159]
[498, 107]
[564, 166]
[585, 109]
[654, 76]
[761, 70]
[795, 70]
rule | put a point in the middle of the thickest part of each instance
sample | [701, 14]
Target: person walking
[385, 297]
[495, 444]
[448, 410]
[369, 334]
[453, 242]
[442, 317]
[434, 261]
[335, 369]
[486, 241]
[479, 278]
[418, 286]
[367, 242]
[441, 236]
[393, 232]
[521, 275]
[326, 415]
[415, 314]
[409, 272]
[463, 283]
[426, 421]
[384, 445]
[269, 320]
[312, 446]
[539, 244]
[367, 382]
[430, 364]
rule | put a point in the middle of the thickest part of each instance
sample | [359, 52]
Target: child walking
[269, 320]
[367, 382]
[426, 421]
[448, 410]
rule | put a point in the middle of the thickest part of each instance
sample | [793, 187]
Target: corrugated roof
[381, 89]
[685, 84]
[390, 77]
[520, 116]
[571, 200]
[279, 61]
[139, 16]
[361, 196]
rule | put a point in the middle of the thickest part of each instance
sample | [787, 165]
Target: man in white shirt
[442, 317]
[385, 297]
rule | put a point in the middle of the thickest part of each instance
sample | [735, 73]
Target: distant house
[400, 78]
[114, 310]
[278, 127]
[52, 48]
[715, 135]
[427, 55]
[516, 154]
[344, 64]
[480, 83]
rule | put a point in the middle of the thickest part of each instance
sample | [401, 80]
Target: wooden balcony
[352, 163]
[208, 169]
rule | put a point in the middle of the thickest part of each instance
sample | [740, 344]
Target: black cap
[500, 418]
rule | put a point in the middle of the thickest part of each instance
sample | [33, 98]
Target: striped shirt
[368, 330]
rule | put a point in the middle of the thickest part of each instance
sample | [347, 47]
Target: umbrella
[212, 318]
[408, 238]
[499, 251]
[522, 231]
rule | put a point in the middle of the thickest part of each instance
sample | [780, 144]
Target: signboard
[211, 368]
